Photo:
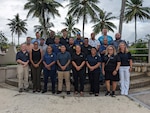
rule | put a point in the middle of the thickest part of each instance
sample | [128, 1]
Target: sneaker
[20, 90]
[53, 92]
[81, 93]
[96, 94]
[107, 93]
[113, 94]
[68, 92]
[59, 92]
[26, 89]
[91, 93]
[44, 91]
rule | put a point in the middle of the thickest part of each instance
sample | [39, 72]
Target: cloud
[9, 8]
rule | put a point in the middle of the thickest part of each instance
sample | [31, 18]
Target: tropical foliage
[40, 28]
[104, 21]
[3, 40]
[17, 26]
[70, 23]
[43, 9]
[83, 9]
[135, 10]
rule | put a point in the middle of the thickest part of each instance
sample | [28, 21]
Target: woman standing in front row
[93, 62]
[36, 59]
[125, 68]
[110, 67]
[78, 62]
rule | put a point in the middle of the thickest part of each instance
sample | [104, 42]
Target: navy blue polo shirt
[22, 56]
[49, 58]
[78, 42]
[125, 58]
[93, 61]
[56, 48]
[63, 58]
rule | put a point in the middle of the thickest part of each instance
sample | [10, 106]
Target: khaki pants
[63, 75]
[23, 74]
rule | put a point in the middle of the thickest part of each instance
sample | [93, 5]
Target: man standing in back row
[101, 38]
[64, 40]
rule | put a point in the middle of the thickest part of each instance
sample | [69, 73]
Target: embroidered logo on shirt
[81, 55]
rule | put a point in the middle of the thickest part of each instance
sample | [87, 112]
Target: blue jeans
[52, 75]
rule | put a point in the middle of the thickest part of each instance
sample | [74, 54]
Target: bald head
[117, 36]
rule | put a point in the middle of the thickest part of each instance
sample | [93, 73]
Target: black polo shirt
[71, 49]
[112, 63]
[125, 58]
[93, 61]
[49, 41]
[78, 59]
[64, 41]
[86, 50]
[22, 56]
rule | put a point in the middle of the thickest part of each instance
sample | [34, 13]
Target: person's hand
[114, 72]
[130, 69]
[103, 72]
[78, 68]
[91, 68]
[36, 65]
[63, 67]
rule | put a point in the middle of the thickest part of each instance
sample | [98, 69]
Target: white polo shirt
[94, 43]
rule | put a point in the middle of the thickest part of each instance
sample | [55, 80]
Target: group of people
[104, 58]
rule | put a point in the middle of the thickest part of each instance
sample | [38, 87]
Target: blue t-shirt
[109, 38]
[35, 39]
[22, 56]
[93, 61]
[63, 58]
[49, 58]
[56, 48]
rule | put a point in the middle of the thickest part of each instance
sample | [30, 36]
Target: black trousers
[94, 81]
[78, 79]
[36, 73]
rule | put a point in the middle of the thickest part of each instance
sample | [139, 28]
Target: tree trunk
[83, 25]
[44, 25]
[18, 39]
[121, 16]
[12, 39]
[135, 29]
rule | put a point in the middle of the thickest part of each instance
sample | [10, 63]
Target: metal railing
[143, 55]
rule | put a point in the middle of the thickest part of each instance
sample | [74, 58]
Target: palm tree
[39, 28]
[121, 15]
[83, 9]
[103, 21]
[42, 9]
[17, 26]
[134, 9]
[70, 23]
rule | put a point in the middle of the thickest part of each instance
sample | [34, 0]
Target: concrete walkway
[143, 98]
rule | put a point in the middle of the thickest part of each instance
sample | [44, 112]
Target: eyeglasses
[110, 49]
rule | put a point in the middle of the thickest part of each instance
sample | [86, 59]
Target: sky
[9, 8]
